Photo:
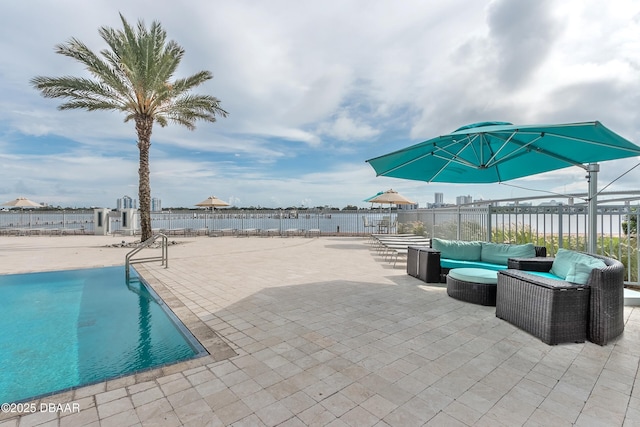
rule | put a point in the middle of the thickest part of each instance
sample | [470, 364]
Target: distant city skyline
[156, 204]
[126, 202]
[464, 200]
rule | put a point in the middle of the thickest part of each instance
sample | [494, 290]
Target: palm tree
[134, 76]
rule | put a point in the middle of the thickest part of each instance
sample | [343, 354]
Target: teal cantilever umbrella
[499, 151]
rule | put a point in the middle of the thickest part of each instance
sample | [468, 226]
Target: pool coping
[217, 347]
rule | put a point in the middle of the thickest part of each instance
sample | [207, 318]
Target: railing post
[560, 230]
[458, 230]
[489, 231]
[433, 223]
[165, 245]
[637, 214]
[592, 233]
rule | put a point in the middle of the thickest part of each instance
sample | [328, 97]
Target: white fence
[559, 226]
[327, 221]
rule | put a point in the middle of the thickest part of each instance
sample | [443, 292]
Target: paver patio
[320, 331]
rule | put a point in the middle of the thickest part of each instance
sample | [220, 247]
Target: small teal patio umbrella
[368, 199]
[499, 151]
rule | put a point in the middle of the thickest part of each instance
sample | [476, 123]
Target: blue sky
[313, 90]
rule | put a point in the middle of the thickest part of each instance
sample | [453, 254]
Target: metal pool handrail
[164, 257]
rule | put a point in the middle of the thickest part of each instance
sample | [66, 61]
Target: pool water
[70, 328]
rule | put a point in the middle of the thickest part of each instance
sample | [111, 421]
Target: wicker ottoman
[475, 285]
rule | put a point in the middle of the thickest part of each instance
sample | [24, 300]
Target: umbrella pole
[592, 232]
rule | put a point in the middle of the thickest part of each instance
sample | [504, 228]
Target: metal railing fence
[42, 221]
[329, 222]
[325, 222]
[558, 226]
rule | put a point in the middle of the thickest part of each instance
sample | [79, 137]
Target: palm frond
[133, 75]
[189, 108]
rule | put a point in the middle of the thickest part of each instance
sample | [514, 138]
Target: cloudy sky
[315, 88]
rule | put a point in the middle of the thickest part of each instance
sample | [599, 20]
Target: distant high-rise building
[156, 205]
[464, 200]
[127, 202]
[439, 198]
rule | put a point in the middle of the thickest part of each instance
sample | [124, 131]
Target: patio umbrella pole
[592, 238]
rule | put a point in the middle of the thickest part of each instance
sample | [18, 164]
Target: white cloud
[345, 128]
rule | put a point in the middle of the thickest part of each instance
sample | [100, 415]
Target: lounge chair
[292, 232]
[392, 247]
[367, 224]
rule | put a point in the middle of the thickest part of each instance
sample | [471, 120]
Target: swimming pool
[65, 329]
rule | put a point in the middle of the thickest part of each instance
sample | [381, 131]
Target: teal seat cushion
[499, 253]
[567, 261]
[456, 249]
[456, 263]
[475, 275]
[544, 274]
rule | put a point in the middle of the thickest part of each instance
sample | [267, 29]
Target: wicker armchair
[559, 311]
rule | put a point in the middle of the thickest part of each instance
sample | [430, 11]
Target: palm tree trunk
[144, 126]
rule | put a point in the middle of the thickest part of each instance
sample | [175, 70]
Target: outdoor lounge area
[568, 298]
[324, 331]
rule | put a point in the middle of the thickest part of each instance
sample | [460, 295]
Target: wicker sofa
[532, 297]
[434, 263]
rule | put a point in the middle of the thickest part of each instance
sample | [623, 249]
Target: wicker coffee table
[474, 285]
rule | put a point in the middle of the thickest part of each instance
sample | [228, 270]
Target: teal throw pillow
[566, 260]
[579, 273]
[499, 253]
[457, 249]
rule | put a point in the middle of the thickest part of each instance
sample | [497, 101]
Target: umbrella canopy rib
[503, 146]
[530, 146]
